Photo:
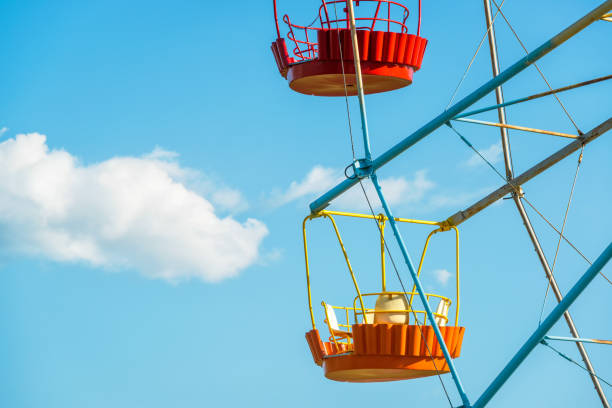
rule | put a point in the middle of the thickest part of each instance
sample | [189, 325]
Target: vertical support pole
[501, 111]
[419, 287]
[359, 81]
[312, 319]
[499, 94]
[381, 224]
[400, 241]
[546, 325]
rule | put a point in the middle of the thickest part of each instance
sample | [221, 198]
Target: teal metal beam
[365, 169]
[421, 291]
[532, 97]
[466, 102]
[546, 325]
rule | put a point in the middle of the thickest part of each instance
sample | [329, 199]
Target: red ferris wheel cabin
[321, 57]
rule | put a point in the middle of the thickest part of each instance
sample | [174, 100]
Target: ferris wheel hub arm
[547, 324]
[514, 185]
[468, 101]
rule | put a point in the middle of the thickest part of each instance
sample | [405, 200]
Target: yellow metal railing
[343, 334]
[409, 311]
[381, 220]
[340, 339]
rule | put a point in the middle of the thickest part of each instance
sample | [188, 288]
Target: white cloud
[492, 153]
[224, 198]
[397, 190]
[442, 276]
[416, 193]
[123, 212]
[3, 130]
[455, 200]
[230, 199]
[318, 180]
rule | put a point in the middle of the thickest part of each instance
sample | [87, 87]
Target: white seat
[442, 310]
[332, 322]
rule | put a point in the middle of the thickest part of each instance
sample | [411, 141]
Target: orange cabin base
[386, 352]
[388, 61]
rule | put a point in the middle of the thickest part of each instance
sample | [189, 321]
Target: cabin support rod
[516, 182]
[546, 325]
[359, 80]
[469, 100]
[419, 287]
[521, 209]
[366, 168]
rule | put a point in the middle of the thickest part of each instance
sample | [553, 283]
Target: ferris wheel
[375, 46]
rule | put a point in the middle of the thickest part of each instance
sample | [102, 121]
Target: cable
[538, 68]
[348, 110]
[473, 58]
[372, 209]
[569, 202]
[544, 342]
[519, 192]
[471, 146]
[416, 319]
[564, 237]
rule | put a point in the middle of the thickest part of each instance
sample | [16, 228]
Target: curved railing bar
[311, 47]
[348, 264]
[276, 20]
[431, 234]
[312, 319]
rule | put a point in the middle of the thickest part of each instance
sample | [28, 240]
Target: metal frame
[306, 48]
[367, 168]
[546, 325]
[381, 219]
[578, 340]
[516, 197]
[466, 102]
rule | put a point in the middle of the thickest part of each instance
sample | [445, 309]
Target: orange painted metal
[320, 349]
[316, 346]
[360, 369]
[386, 352]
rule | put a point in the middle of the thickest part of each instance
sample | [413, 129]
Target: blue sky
[150, 245]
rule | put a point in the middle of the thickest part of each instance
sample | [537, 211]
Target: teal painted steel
[419, 287]
[366, 169]
[490, 108]
[434, 124]
[466, 102]
[546, 325]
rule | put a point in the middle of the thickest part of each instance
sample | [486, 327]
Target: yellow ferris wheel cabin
[379, 336]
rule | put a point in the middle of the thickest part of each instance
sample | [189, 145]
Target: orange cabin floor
[386, 352]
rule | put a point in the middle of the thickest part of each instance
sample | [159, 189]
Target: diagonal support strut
[521, 209]
[468, 101]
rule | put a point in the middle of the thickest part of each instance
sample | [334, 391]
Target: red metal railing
[305, 37]
[304, 48]
[391, 5]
